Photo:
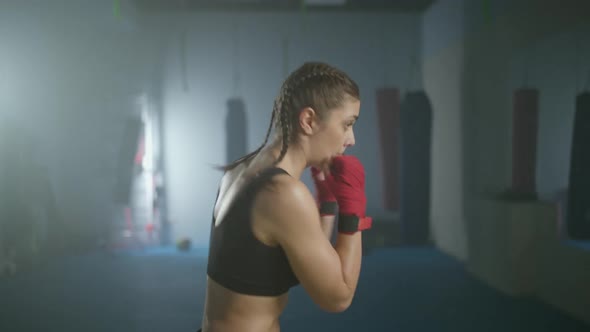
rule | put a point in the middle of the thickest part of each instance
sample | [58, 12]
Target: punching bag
[415, 145]
[388, 100]
[578, 207]
[236, 130]
[524, 140]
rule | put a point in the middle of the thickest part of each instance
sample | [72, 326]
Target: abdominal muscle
[228, 311]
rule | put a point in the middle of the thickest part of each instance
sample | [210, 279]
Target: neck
[294, 161]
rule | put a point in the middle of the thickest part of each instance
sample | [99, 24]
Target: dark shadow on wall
[31, 229]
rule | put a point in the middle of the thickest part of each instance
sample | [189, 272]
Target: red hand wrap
[348, 185]
[325, 198]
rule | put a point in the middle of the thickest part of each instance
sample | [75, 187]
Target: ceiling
[294, 5]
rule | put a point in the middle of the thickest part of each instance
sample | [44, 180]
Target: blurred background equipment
[473, 133]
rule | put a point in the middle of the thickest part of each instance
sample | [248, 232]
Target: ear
[308, 120]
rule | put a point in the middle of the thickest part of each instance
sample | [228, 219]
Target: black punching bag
[236, 130]
[388, 115]
[415, 145]
[578, 207]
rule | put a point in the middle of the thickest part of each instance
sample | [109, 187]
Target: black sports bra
[237, 259]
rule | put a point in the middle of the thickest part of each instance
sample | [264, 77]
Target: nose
[350, 140]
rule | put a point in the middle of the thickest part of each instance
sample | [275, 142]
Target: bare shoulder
[285, 205]
[286, 194]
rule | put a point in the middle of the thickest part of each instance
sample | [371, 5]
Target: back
[239, 261]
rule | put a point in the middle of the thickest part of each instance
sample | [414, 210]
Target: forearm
[327, 223]
[349, 248]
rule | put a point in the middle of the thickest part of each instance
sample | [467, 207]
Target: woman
[267, 234]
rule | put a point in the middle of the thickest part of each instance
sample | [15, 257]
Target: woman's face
[335, 133]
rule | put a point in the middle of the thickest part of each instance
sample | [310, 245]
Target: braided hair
[314, 84]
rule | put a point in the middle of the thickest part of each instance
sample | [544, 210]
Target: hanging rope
[183, 59]
[236, 59]
[303, 11]
[527, 63]
[285, 49]
[413, 74]
[387, 60]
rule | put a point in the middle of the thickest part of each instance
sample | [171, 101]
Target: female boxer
[267, 233]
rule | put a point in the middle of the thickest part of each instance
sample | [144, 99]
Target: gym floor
[400, 289]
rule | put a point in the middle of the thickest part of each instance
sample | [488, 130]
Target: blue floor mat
[161, 289]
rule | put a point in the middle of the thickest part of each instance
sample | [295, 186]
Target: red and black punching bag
[388, 106]
[578, 206]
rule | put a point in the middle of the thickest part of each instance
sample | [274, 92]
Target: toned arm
[328, 273]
